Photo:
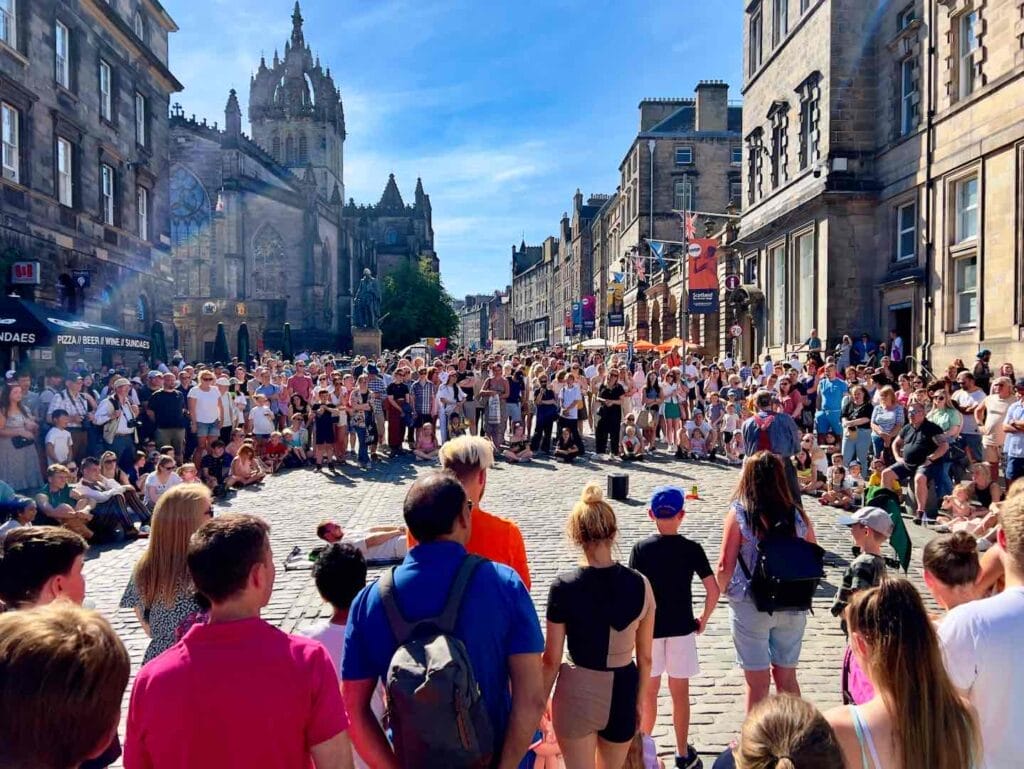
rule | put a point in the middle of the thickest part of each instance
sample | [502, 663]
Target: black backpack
[786, 573]
[437, 714]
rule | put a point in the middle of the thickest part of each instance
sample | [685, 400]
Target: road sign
[732, 282]
[736, 331]
[82, 278]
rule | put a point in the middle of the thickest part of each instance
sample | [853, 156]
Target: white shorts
[676, 655]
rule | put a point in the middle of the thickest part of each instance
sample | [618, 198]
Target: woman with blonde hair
[160, 589]
[604, 612]
[917, 718]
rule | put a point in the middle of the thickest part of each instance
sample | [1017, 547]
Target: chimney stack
[712, 106]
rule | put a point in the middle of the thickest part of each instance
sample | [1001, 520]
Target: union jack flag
[638, 262]
[689, 228]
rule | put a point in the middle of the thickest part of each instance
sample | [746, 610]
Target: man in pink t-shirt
[236, 691]
[300, 383]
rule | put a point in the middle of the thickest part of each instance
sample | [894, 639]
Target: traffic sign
[736, 331]
[732, 282]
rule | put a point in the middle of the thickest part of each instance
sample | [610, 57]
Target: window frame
[966, 75]
[106, 96]
[901, 231]
[108, 193]
[142, 212]
[139, 26]
[141, 134]
[906, 17]
[10, 117]
[62, 58]
[687, 184]
[755, 43]
[738, 196]
[780, 21]
[777, 314]
[736, 155]
[65, 179]
[687, 150]
[959, 211]
[801, 274]
[910, 115]
[959, 291]
[9, 14]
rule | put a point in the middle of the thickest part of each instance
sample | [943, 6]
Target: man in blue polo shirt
[497, 623]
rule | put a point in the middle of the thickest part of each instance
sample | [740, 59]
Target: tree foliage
[415, 304]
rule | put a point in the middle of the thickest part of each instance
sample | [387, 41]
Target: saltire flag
[617, 277]
[638, 262]
[658, 250]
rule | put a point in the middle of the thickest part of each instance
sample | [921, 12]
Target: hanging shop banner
[616, 305]
[577, 317]
[702, 276]
[568, 321]
[589, 313]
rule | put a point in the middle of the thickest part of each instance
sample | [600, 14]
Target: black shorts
[622, 715]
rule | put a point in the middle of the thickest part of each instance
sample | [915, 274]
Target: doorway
[901, 320]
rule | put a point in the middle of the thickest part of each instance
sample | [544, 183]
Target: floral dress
[163, 620]
[19, 466]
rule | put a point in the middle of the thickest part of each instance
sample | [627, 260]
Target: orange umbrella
[620, 347]
[643, 346]
[673, 342]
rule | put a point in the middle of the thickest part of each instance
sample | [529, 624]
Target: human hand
[702, 623]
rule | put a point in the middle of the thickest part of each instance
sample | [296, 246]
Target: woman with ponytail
[604, 612]
[916, 720]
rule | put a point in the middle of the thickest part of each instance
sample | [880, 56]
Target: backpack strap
[402, 628]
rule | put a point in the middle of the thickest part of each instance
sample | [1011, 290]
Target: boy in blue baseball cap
[669, 561]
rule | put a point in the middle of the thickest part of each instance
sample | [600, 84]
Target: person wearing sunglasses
[160, 481]
[948, 417]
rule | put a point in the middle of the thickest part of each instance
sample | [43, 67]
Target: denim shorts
[763, 639]
[207, 429]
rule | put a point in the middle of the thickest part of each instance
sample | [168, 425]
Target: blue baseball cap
[667, 501]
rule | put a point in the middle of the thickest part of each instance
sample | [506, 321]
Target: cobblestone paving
[538, 496]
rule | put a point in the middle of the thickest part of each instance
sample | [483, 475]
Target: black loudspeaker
[618, 486]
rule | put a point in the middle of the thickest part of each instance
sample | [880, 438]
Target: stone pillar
[366, 341]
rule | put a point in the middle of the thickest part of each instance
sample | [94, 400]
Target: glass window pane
[778, 260]
[805, 254]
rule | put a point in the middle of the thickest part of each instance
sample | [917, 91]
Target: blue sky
[504, 108]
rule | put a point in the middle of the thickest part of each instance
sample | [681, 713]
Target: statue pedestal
[366, 341]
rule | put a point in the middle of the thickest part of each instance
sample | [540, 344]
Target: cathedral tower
[296, 113]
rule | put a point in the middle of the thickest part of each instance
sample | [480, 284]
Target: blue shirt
[497, 619]
[831, 393]
[1013, 443]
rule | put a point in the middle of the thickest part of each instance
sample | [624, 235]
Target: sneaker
[690, 761]
[918, 517]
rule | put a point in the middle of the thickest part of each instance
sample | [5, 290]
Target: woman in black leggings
[609, 412]
[604, 611]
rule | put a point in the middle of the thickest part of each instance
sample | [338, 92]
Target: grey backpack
[436, 713]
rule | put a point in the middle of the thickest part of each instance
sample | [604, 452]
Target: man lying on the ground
[377, 543]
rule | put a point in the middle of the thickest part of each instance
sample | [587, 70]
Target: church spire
[391, 200]
[297, 39]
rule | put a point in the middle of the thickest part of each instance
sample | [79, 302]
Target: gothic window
[181, 278]
[233, 283]
[289, 150]
[276, 149]
[190, 213]
[390, 236]
[267, 262]
[303, 149]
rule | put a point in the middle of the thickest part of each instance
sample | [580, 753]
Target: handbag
[645, 419]
[785, 574]
[21, 442]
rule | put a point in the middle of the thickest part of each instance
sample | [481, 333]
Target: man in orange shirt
[498, 539]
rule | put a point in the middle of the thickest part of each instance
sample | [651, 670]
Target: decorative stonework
[809, 92]
[778, 117]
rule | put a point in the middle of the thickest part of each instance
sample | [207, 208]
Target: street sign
[736, 331]
[25, 273]
[82, 278]
[732, 282]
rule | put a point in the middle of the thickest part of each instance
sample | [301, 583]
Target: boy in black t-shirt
[669, 561]
[214, 467]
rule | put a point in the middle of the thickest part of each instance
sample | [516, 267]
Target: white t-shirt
[154, 487]
[981, 641]
[969, 401]
[333, 639]
[207, 402]
[262, 420]
[61, 442]
[393, 549]
[567, 396]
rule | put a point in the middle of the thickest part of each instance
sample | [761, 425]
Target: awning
[27, 324]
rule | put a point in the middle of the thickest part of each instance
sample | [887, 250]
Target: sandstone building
[883, 168]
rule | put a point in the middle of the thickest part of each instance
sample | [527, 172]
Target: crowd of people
[147, 456]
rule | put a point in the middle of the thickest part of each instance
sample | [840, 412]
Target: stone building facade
[530, 277]
[474, 322]
[685, 157]
[883, 176]
[261, 233]
[84, 94]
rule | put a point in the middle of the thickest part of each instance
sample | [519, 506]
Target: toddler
[957, 506]
[632, 444]
[426, 443]
[189, 473]
[274, 452]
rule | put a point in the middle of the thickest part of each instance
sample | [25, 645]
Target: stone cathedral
[261, 231]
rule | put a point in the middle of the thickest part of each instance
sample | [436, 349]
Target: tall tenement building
[883, 174]
[84, 95]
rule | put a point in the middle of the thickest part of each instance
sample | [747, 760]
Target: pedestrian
[19, 430]
[767, 644]
[951, 569]
[570, 399]
[831, 391]
[917, 449]
[166, 408]
[916, 718]
[546, 405]
[670, 561]
[598, 694]
[1013, 430]
[206, 414]
[856, 420]
[990, 414]
[609, 399]
[491, 614]
[396, 406]
[41, 564]
[774, 431]
[296, 691]
[160, 590]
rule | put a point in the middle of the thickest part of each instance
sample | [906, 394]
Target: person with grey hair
[773, 430]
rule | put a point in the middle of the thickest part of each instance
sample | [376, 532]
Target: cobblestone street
[538, 496]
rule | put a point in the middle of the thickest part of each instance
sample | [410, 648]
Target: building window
[968, 33]
[808, 133]
[682, 200]
[276, 148]
[107, 193]
[906, 232]
[777, 260]
[966, 209]
[140, 119]
[303, 149]
[736, 156]
[106, 103]
[8, 23]
[755, 147]
[966, 289]
[804, 5]
[755, 42]
[62, 61]
[904, 17]
[735, 191]
[142, 212]
[780, 21]
[684, 156]
[909, 96]
[779, 117]
[139, 25]
[65, 173]
[806, 279]
[750, 270]
[11, 153]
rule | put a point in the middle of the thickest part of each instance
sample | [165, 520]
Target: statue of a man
[367, 302]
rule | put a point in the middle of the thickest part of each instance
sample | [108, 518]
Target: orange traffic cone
[693, 493]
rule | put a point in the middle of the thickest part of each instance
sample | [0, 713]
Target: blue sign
[577, 317]
[702, 301]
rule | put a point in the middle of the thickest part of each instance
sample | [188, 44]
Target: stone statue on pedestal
[366, 303]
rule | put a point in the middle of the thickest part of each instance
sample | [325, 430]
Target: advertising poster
[702, 276]
[616, 305]
[577, 317]
[589, 313]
